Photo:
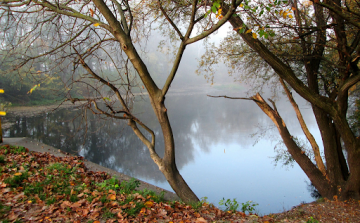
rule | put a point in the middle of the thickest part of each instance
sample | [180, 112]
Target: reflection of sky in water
[241, 170]
[203, 130]
[245, 174]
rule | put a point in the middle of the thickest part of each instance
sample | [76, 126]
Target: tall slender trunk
[168, 167]
[309, 136]
[325, 188]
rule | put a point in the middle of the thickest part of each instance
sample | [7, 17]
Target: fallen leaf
[149, 204]
[112, 197]
[119, 215]
[201, 219]
[85, 212]
[65, 204]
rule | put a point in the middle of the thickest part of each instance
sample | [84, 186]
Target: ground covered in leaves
[39, 187]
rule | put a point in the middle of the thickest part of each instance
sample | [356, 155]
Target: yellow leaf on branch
[218, 14]
[2, 113]
[96, 24]
[249, 31]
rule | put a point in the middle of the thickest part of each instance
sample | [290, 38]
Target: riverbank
[36, 146]
[320, 209]
[30, 111]
[41, 187]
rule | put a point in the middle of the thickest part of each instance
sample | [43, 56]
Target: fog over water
[215, 151]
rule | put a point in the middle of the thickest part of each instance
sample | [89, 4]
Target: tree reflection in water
[199, 123]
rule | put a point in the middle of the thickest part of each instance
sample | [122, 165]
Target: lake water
[215, 151]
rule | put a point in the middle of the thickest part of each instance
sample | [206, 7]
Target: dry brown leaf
[200, 220]
[65, 204]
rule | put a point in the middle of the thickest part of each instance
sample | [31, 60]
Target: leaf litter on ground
[40, 187]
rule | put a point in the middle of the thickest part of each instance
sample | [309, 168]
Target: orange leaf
[119, 215]
[149, 204]
[17, 174]
[112, 197]
[85, 212]
[91, 12]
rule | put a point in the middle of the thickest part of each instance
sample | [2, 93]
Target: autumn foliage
[39, 187]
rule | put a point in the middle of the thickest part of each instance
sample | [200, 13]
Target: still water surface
[215, 152]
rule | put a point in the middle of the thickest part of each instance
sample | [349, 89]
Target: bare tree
[96, 40]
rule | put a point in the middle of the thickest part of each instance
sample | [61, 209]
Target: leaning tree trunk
[167, 163]
[318, 179]
[168, 166]
[333, 187]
